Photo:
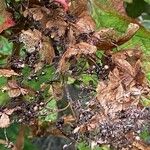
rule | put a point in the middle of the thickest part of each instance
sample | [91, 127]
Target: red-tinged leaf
[7, 23]
[119, 6]
[63, 3]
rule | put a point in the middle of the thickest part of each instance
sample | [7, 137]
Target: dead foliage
[8, 73]
[119, 95]
[59, 34]
[77, 50]
[5, 117]
[14, 90]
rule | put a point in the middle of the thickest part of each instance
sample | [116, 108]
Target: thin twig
[70, 100]
[57, 110]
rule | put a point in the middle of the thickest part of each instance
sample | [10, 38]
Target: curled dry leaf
[76, 50]
[85, 23]
[37, 13]
[4, 120]
[47, 51]
[14, 90]
[9, 111]
[107, 39]
[60, 25]
[131, 30]
[124, 65]
[8, 73]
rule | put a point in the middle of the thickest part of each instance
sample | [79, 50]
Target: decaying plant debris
[53, 36]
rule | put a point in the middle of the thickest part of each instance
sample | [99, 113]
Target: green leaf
[4, 98]
[83, 146]
[44, 75]
[136, 8]
[145, 102]
[71, 80]
[12, 133]
[1, 20]
[87, 78]
[147, 1]
[6, 47]
[128, 1]
[145, 135]
[3, 81]
[51, 111]
[52, 116]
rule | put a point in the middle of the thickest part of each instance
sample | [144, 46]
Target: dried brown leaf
[8, 73]
[9, 111]
[85, 23]
[12, 84]
[57, 90]
[124, 65]
[130, 32]
[68, 119]
[106, 39]
[120, 91]
[14, 90]
[119, 6]
[76, 50]
[4, 121]
[60, 25]
[139, 74]
[47, 51]
[139, 145]
[37, 13]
